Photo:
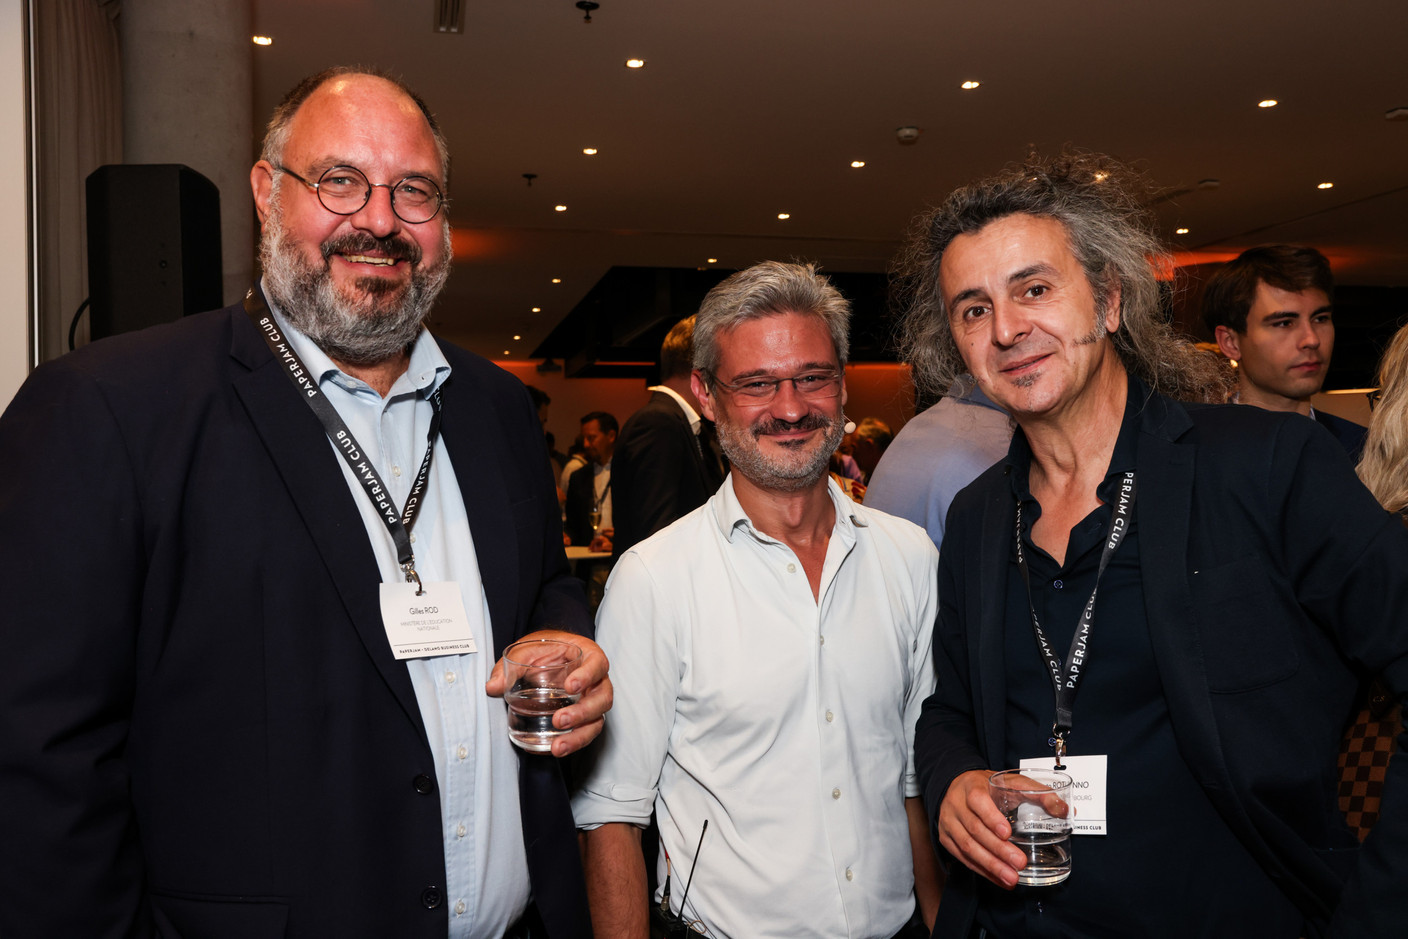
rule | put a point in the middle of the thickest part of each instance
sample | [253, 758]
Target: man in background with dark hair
[1271, 312]
[667, 460]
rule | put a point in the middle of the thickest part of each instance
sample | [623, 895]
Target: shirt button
[413, 537]
[449, 677]
[836, 793]
[460, 907]
[850, 874]
[823, 640]
[1057, 584]
[462, 752]
[791, 568]
[460, 832]
[396, 470]
[430, 898]
[423, 784]
[830, 717]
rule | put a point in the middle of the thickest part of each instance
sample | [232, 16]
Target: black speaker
[153, 246]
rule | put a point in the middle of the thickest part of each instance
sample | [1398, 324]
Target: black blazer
[1272, 582]
[581, 493]
[202, 727]
[658, 472]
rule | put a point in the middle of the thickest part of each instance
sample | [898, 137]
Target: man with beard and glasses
[247, 665]
[772, 653]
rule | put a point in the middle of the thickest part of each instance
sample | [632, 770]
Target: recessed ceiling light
[537, 309]
[970, 85]
[1326, 185]
[559, 208]
[1267, 103]
[784, 215]
[263, 40]
[857, 164]
[1180, 231]
[557, 280]
[517, 337]
[635, 63]
[1101, 176]
[713, 260]
[589, 151]
[506, 352]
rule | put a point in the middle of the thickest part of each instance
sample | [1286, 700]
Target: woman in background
[1384, 466]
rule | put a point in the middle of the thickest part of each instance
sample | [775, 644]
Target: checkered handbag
[1364, 754]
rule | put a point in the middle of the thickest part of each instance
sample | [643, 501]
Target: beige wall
[15, 334]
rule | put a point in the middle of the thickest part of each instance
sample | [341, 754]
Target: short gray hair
[1101, 204]
[770, 288]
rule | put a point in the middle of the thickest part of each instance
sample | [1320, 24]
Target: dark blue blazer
[1350, 435]
[1273, 582]
[202, 727]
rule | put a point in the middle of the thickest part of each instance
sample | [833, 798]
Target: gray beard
[367, 328]
[740, 445]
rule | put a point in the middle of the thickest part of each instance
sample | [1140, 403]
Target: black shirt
[1168, 866]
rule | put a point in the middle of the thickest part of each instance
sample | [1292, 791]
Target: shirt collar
[730, 517]
[690, 414]
[1138, 418]
[427, 370]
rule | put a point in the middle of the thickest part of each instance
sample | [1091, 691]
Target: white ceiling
[748, 108]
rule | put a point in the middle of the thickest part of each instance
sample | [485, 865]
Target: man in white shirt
[771, 656]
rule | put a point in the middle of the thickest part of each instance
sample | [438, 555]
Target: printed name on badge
[431, 624]
[1087, 790]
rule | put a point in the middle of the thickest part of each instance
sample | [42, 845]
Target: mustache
[812, 421]
[360, 242]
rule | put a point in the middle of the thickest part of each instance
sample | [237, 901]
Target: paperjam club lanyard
[398, 523]
[1065, 680]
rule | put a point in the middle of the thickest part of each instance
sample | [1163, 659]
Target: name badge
[1087, 790]
[434, 623]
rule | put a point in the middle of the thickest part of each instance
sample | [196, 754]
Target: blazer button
[431, 898]
[424, 785]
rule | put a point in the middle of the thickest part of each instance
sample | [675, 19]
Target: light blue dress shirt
[476, 768]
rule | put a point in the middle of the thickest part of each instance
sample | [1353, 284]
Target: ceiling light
[784, 216]
[537, 309]
[516, 338]
[635, 63]
[557, 280]
[559, 208]
[713, 260]
[506, 352]
[589, 151]
[1267, 103]
[263, 40]
[1101, 176]
[1326, 185]
[857, 164]
[970, 85]
[1180, 231]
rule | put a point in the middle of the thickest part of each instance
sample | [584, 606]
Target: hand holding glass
[1036, 803]
[536, 671]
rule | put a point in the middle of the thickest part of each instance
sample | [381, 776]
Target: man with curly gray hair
[1246, 585]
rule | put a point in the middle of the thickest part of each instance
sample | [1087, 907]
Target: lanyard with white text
[1065, 680]
[397, 523]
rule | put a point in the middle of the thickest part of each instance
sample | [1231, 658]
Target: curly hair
[1384, 466]
[1101, 204]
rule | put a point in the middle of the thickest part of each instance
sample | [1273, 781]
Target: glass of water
[537, 670]
[1037, 804]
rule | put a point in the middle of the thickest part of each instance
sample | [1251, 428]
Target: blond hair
[1384, 466]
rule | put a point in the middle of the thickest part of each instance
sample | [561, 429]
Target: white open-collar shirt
[786, 722]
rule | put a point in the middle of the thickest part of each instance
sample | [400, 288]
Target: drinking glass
[537, 670]
[1037, 804]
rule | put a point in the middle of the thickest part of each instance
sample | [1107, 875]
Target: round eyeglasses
[345, 190]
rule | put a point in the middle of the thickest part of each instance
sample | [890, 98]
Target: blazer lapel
[990, 606]
[298, 447]
[1164, 508]
[477, 454]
